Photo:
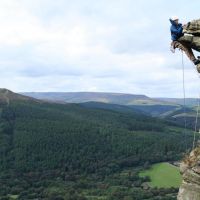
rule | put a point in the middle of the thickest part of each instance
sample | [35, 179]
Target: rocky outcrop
[192, 37]
[192, 27]
[190, 170]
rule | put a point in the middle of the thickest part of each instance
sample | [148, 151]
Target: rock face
[190, 170]
[192, 34]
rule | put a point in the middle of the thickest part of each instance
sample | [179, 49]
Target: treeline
[63, 142]
[53, 186]
[49, 136]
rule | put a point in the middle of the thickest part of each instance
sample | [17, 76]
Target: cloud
[113, 46]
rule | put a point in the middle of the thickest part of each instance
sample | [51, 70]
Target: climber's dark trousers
[184, 47]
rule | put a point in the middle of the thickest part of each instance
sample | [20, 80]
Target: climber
[177, 41]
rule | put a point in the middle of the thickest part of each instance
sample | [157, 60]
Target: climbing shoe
[198, 68]
[196, 61]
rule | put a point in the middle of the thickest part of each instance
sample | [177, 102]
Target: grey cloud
[139, 28]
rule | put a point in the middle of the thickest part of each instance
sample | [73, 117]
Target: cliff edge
[190, 170]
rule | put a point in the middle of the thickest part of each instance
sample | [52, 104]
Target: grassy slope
[163, 175]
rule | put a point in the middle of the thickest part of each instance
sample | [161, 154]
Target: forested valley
[67, 151]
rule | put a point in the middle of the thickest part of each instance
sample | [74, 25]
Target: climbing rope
[196, 122]
[184, 103]
[184, 100]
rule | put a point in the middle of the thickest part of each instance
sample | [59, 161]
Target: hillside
[113, 107]
[143, 103]
[6, 96]
[188, 101]
[22, 117]
[112, 98]
[170, 109]
[44, 145]
[181, 115]
[81, 97]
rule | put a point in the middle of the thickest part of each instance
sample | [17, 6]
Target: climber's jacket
[188, 35]
[176, 31]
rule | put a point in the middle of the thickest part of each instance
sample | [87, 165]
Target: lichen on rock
[190, 170]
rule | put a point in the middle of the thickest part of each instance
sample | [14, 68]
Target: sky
[95, 46]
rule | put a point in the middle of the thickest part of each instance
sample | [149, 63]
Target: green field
[163, 175]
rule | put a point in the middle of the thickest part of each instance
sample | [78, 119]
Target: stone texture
[190, 170]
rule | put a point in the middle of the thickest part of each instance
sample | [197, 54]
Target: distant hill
[81, 97]
[169, 113]
[113, 107]
[188, 101]
[174, 114]
[165, 108]
[152, 110]
[180, 116]
[143, 103]
[6, 96]
[113, 98]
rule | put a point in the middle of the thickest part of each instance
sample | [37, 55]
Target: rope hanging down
[196, 122]
[197, 111]
[184, 101]
[196, 131]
